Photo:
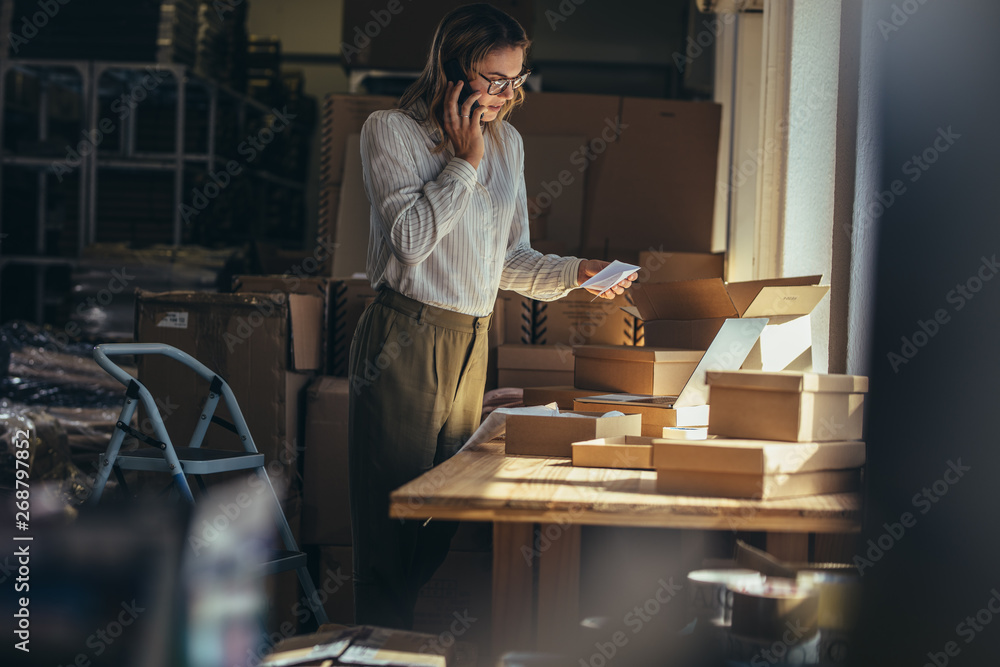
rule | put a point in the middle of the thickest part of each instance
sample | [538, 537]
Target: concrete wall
[806, 246]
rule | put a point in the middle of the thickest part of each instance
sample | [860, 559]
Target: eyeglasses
[497, 86]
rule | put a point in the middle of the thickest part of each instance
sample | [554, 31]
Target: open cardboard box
[656, 412]
[794, 407]
[633, 370]
[623, 451]
[552, 435]
[688, 314]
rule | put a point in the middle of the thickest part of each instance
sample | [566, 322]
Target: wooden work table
[483, 484]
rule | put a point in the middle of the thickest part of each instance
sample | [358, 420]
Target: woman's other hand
[462, 124]
[591, 267]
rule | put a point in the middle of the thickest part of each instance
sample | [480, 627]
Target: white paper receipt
[609, 276]
[173, 320]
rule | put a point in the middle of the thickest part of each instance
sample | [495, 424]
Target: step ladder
[194, 460]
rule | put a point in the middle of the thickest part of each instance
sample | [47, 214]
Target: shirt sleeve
[527, 271]
[413, 215]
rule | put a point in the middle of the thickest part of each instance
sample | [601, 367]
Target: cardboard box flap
[743, 293]
[788, 381]
[633, 353]
[792, 300]
[683, 300]
[711, 298]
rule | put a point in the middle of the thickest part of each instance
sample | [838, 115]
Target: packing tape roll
[710, 592]
[685, 433]
[776, 610]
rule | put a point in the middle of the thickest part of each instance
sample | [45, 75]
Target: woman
[449, 226]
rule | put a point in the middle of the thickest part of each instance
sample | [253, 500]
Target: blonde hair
[467, 34]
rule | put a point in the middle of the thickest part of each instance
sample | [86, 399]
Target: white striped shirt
[446, 234]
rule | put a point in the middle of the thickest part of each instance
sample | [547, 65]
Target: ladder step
[194, 461]
[282, 561]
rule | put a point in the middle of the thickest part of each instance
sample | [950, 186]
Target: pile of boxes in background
[282, 343]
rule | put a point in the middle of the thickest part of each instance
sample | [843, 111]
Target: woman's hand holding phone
[462, 124]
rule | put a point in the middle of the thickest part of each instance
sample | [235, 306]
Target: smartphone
[453, 71]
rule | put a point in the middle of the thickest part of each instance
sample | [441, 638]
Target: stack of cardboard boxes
[778, 435]
[769, 435]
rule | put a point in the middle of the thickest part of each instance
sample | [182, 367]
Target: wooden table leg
[789, 547]
[558, 584]
[513, 587]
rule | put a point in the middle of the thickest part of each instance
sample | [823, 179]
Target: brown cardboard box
[803, 407]
[665, 267]
[690, 313]
[353, 224]
[344, 115]
[595, 118]
[756, 486]
[326, 224]
[555, 193]
[326, 512]
[344, 301]
[314, 287]
[668, 201]
[562, 396]
[757, 457]
[682, 334]
[534, 365]
[576, 319]
[245, 338]
[656, 412]
[536, 435]
[395, 34]
[633, 370]
[348, 299]
[624, 451]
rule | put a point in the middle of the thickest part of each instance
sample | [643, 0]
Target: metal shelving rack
[92, 76]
